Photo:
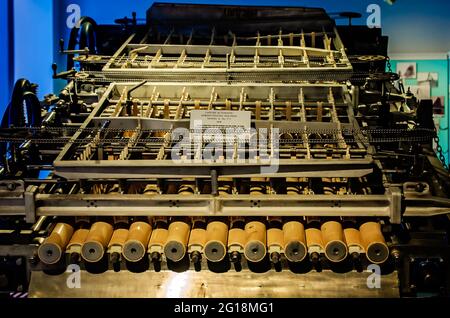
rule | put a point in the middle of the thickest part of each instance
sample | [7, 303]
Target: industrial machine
[223, 151]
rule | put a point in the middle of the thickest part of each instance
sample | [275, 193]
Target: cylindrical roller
[292, 187]
[75, 244]
[314, 238]
[314, 243]
[255, 248]
[286, 136]
[157, 241]
[115, 246]
[275, 238]
[216, 241]
[257, 190]
[374, 243]
[136, 245]
[186, 189]
[197, 238]
[225, 189]
[118, 238]
[294, 241]
[151, 189]
[353, 238]
[51, 250]
[158, 237]
[78, 238]
[177, 240]
[275, 244]
[333, 238]
[237, 237]
[225, 186]
[97, 240]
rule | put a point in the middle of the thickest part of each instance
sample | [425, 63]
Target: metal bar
[73, 169]
[208, 205]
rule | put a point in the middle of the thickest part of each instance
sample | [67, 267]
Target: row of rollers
[214, 239]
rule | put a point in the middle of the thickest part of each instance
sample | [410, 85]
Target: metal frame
[155, 66]
[108, 109]
[386, 205]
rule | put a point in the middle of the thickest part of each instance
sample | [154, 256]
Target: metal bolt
[196, 257]
[235, 257]
[155, 257]
[275, 257]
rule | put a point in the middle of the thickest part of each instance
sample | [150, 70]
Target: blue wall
[5, 69]
[33, 42]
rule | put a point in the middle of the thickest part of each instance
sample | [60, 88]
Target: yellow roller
[157, 241]
[374, 243]
[216, 241]
[135, 247]
[294, 241]
[52, 248]
[255, 248]
[97, 240]
[177, 240]
[334, 241]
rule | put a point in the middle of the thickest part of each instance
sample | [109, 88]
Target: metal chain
[439, 149]
[388, 64]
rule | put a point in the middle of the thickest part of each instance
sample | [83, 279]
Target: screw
[196, 257]
[235, 257]
[115, 257]
[275, 257]
[155, 257]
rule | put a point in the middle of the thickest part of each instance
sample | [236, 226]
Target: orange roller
[51, 250]
[255, 248]
[78, 238]
[353, 240]
[97, 240]
[314, 239]
[216, 241]
[157, 240]
[275, 243]
[118, 238]
[373, 241]
[334, 241]
[197, 239]
[151, 189]
[177, 240]
[294, 241]
[137, 241]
